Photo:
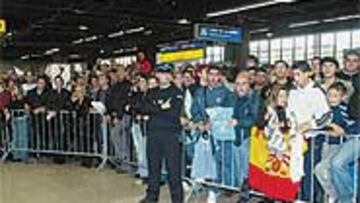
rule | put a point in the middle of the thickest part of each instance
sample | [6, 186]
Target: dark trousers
[164, 146]
[309, 181]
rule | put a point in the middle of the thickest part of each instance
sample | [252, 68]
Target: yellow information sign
[2, 26]
[186, 55]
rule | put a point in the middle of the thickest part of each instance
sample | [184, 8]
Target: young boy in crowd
[348, 152]
[341, 125]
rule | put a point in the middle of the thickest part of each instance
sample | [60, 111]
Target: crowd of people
[282, 123]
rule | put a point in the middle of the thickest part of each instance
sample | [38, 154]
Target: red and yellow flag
[269, 173]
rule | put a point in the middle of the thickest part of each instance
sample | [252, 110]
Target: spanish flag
[269, 172]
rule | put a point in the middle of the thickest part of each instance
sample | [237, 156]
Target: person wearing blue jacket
[215, 94]
[340, 126]
[349, 151]
[246, 112]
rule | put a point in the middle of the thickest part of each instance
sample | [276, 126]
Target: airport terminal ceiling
[90, 27]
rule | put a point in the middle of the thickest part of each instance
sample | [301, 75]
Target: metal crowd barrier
[229, 174]
[318, 154]
[61, 133]
[4, 141]
[208, 165]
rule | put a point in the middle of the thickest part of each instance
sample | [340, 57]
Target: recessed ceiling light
[183, 21]
[83, 27]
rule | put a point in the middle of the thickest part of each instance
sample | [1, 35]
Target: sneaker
[212, 197]
[332, 200]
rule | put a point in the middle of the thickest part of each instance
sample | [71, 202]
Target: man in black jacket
[163, 105]
[37, 103]
[120, 122]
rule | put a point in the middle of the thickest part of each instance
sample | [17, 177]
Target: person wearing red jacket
[145, 65]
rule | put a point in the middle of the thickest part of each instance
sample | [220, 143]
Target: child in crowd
[341, 125]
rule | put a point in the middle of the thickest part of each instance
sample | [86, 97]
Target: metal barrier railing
[209, 164]
[4, 141]
[202, 172]
[60, 133]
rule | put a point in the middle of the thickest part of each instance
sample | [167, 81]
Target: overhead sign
[178, 56]
[2, 26]
[181, 45]
[218, 33]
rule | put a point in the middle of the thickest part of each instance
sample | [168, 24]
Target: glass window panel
[342, 43]
[264, 52]
[300, 48]
[356, 39]
[310, 46]
[254, 48]
[327, 44]
[275, 50]
[287, 49]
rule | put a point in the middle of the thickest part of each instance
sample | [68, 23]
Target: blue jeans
[241, 156]
[310, 187]
[20, 137]
[340, 165]
[224, 162]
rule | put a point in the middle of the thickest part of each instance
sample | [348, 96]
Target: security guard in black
[163, 105]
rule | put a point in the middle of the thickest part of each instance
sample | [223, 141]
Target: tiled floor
[66, 184]
[32, 183]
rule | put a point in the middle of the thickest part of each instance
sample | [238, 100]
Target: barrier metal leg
[104, 156]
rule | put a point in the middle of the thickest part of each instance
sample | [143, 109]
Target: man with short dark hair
[310, 114]
[163, 105]
[215, 94]
[351, 65]
[252, 61]
[37, 102]
[329, 67]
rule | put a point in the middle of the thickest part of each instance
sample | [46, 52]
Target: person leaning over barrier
[341, 125]
[310, 114]
[215, 94]
[245, 114]
[163, 105]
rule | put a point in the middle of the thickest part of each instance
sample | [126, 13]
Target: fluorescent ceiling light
[128, 31]
[134, 30]
[259, 30]
[285, 1]
[83, 27]
[116, 34]
[303, 24]
[247, 7]
[51, 51]
[341, 18]
[119, 51]
[78, 41]
[183, 21]
[91, 38]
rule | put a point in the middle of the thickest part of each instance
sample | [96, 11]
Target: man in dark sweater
[120, 122]
[164, 105]
[37, 103]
